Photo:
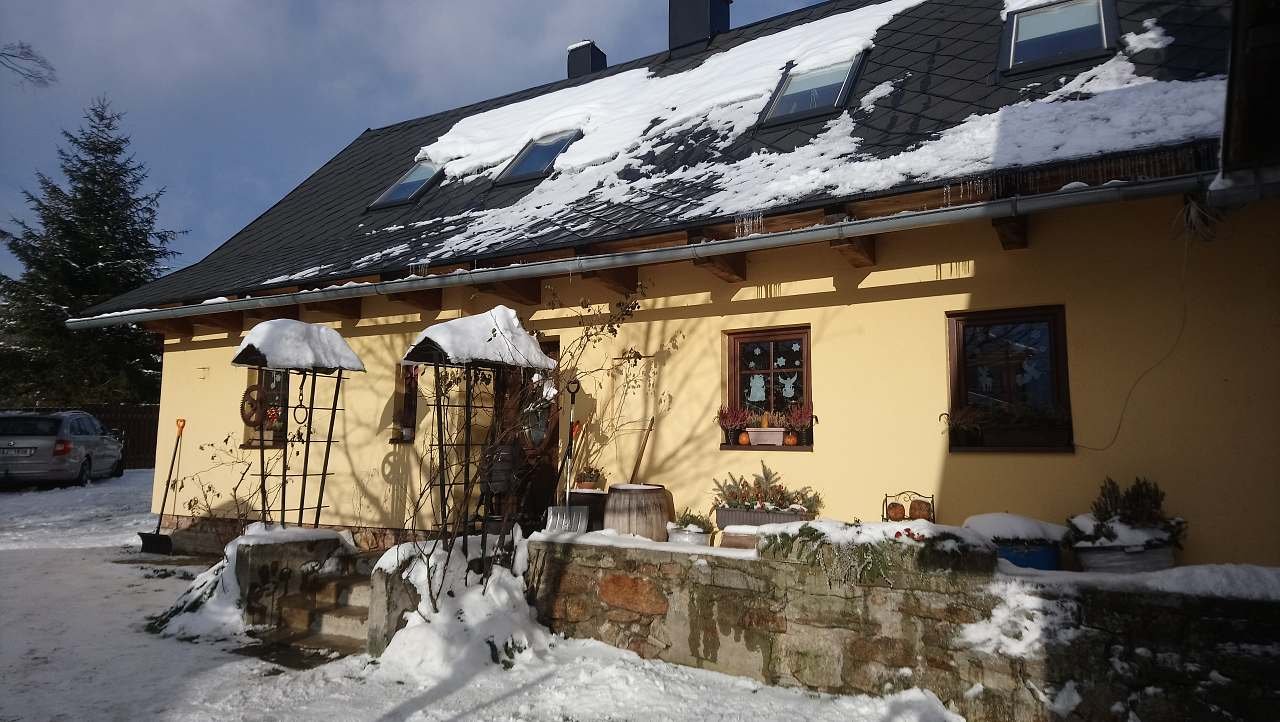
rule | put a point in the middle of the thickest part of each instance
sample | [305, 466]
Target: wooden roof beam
[1012, 232]
[624, 281]
[229, 321]
[175, 327]
[428, 299]
[257, 315]
[523, 291]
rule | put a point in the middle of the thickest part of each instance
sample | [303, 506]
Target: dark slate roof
[949, 48]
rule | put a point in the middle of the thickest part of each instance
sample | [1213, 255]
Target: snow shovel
[155, 542]
[568, 518]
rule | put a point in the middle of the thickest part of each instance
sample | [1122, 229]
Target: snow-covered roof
[493, 337]
[285, 344]
[673, 142]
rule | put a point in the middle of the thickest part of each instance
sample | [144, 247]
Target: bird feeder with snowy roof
[278, 349]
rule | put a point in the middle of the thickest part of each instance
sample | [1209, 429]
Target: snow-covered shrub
[475, 621]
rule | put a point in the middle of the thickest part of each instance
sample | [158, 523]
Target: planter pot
[726, 517]
[1032, 556]
[766, 436]
[1124, 560]
[739, 541]
[806, 436]
[684, 536]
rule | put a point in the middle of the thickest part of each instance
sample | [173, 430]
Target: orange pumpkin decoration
[791, 439]
[744, 439]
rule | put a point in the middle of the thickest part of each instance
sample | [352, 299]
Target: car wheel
[117, 471]
[86, 473]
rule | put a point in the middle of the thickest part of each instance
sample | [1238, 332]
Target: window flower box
[726, 517]
[769, 436]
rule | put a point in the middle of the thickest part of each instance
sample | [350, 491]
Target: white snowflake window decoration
[795, 346]
[751, 364]
[758, 351]
[782, 361]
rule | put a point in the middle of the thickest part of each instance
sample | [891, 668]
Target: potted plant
[1126, 531]
[690, 528]
[798, 421]
[732, 421]
[589, 477]
[763, 499]
[1021, 540]
[766, 434]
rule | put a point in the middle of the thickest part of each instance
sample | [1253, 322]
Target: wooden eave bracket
[1012, 232]
[859, 251]
[624, 281]
[340, 309]
[730, 268]
[523, 291]
[428, 299]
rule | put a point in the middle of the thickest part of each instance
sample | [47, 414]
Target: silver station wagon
[56, 447]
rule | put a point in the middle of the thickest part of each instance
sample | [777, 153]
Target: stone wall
[782, 621]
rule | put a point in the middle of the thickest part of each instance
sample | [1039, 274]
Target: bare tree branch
[30, 66]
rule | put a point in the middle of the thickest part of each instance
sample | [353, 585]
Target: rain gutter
[1002, 208]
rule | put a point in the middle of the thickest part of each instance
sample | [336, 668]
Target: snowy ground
[76, 592]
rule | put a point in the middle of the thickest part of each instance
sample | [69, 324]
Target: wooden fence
[136, 423]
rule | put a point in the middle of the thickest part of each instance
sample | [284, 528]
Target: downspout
[1002, 208]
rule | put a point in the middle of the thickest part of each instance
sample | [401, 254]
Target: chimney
[695, 21]
[586, 58]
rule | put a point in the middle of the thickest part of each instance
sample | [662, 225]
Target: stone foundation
[781, 621]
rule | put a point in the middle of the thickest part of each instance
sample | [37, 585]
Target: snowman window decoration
[755, 394]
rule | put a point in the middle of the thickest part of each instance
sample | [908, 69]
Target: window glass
[810, 91]
[536, 159]
[1009, 364]
[409, 184]
[770, 371]
[1061, 29]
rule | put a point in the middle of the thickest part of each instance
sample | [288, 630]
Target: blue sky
[232, 103]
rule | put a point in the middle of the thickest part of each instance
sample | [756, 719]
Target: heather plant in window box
[799, 420]
[763, 499]
[1126, 531]
[733, 421]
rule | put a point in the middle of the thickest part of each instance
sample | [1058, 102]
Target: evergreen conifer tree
[93, 238]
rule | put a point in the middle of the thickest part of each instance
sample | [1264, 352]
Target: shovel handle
[182, 424]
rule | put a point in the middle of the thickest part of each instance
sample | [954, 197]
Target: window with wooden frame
[1009, 388]
[405, 422]
[769, 375]
[266, 394]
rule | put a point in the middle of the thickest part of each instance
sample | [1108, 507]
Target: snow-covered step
[350, 622]
[353, 590]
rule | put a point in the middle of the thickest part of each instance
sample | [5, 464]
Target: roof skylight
[810, 93]
[409, 186]
[1056, 33]
[537, 157]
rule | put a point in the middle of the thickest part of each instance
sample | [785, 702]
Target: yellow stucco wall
[1203, 422]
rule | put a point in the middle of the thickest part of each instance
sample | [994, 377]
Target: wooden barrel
[640, 509]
